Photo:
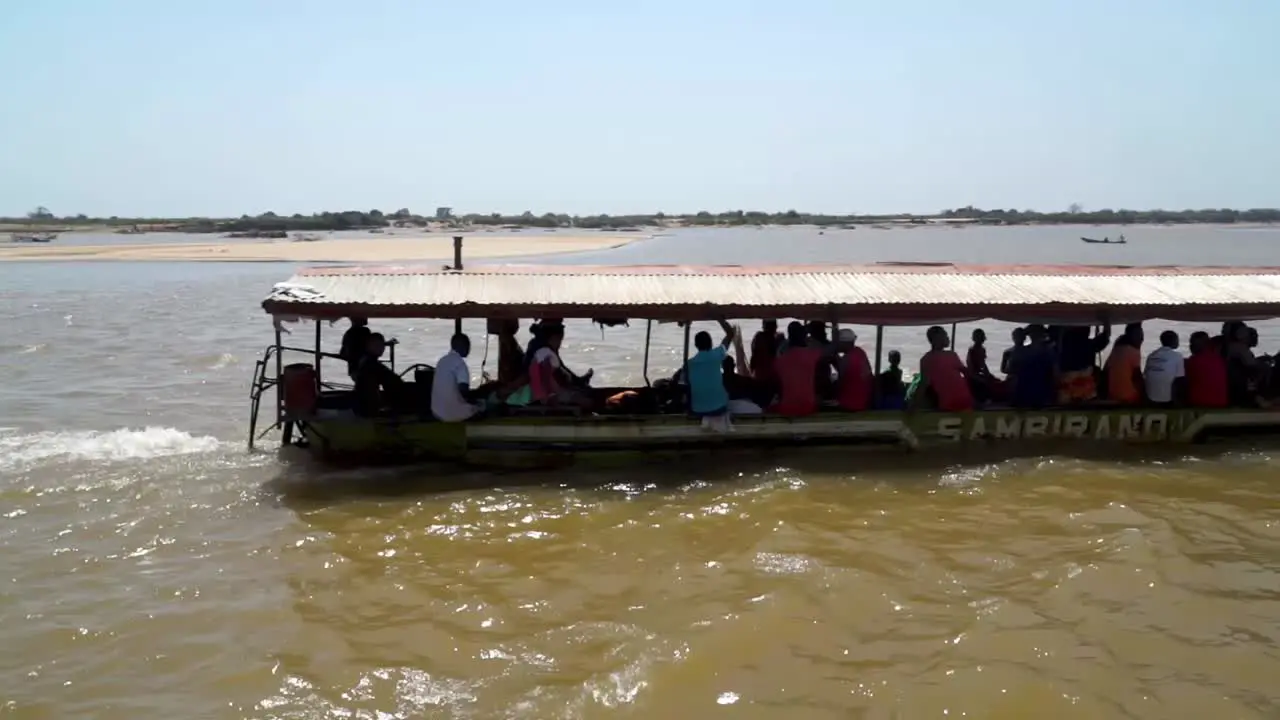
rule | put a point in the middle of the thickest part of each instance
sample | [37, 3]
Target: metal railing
[264, 383]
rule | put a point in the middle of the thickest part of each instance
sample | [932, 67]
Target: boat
[33, 237]
[887, 294]
[1105, 241]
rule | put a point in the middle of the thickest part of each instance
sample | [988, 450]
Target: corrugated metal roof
[886, 293]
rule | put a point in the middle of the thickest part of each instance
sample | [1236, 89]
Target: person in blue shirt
[707, 394]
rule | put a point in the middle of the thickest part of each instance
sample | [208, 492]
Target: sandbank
[398, 248]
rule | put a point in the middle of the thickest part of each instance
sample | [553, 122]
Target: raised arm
[739, 353]
[1102, 339]
[729, 332]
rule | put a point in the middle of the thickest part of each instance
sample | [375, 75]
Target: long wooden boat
[885, 294]
[32, 237]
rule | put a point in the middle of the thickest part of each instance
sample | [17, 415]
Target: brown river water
[150, 567]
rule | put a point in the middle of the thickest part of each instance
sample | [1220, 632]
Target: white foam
[20, 450]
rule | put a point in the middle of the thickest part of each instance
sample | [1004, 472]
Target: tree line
[373, 219]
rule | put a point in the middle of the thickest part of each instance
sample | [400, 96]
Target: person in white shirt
[451, 385]
[1165, 365]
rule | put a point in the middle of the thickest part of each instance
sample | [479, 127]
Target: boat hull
[548, 442]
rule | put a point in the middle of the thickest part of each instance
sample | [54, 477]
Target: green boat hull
[547, 442]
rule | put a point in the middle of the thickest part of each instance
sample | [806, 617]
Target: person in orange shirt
[1124, 367]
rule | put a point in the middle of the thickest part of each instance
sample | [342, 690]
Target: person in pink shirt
[797, 370]
[944, 375]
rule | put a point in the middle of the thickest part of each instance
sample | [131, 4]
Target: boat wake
[19, 450]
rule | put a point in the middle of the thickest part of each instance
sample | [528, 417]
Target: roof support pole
[879, 346]
[457, 266]
[318, 355]
[688, 326]
[279, 378]
[648, 335]
[953, 337]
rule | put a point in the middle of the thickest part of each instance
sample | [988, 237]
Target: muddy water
[150, 567]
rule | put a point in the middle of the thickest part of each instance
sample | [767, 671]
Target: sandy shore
[371, 249]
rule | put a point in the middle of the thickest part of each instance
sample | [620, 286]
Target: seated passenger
[890, 391]
[511, 367]
[1243, 369]
[824, 382]
[550, 382]
[451, 386]
[1034, 371]
[797, 369]
[817, 334]
[1077, 363]
[943, 376]
[1206, 372]
[1019, 336]
[707, 394]
[744, 391]
[1165, 368]
[853, 386]
[1124, 367]
[377, 387]
[986, 387]
[764, 351]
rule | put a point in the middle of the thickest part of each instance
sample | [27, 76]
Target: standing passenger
[354, 342]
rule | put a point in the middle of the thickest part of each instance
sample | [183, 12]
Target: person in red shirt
[853, 389]
[796, 370]
[1206, 373]
[944, 374]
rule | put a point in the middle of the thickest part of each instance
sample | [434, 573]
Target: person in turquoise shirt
[707, 394]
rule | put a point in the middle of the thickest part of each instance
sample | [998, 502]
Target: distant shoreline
[485, 230]
[394, 249]
[376, 222]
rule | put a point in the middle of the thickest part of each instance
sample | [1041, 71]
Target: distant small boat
[1105, 241]
[40, 237]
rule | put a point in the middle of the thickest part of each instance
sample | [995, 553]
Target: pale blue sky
[149, 107]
